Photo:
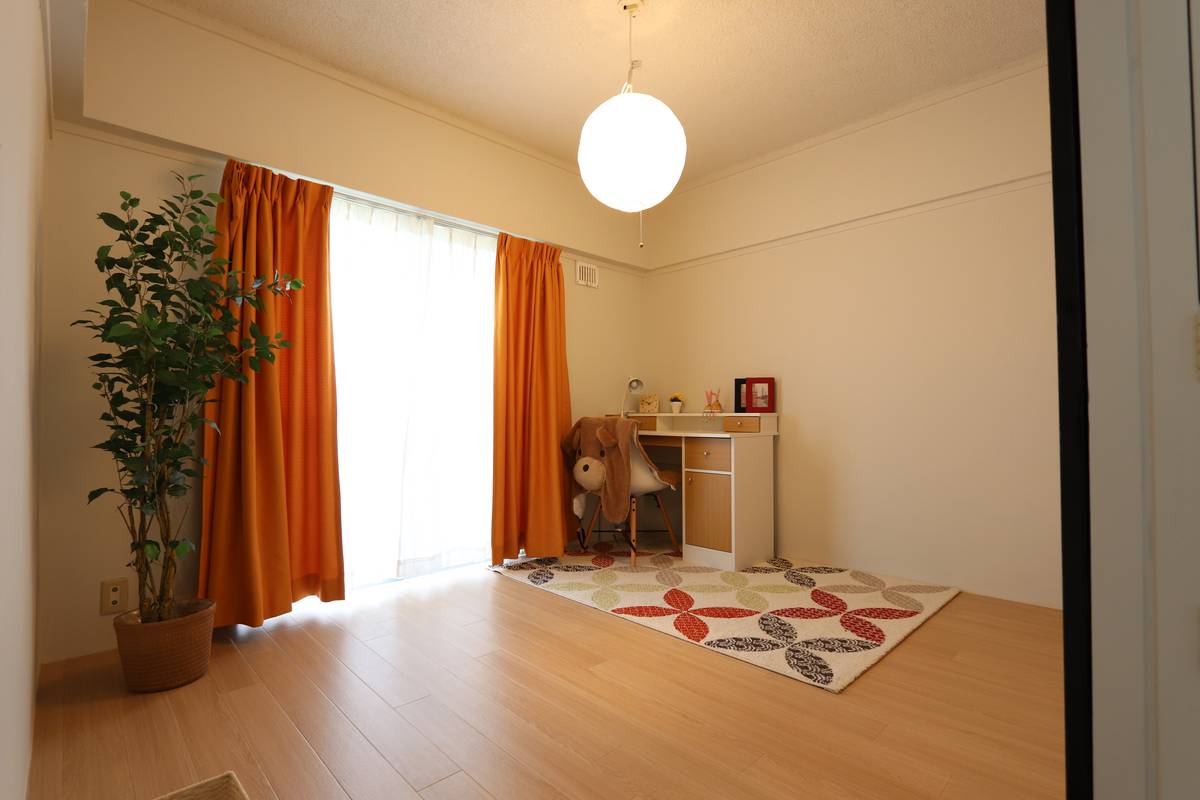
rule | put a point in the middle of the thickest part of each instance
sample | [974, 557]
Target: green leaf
[94, 493]
[121, 329]
[182, 547]
[112, 221]
[167, 323]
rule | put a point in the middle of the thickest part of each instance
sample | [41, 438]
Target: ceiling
[746, 77]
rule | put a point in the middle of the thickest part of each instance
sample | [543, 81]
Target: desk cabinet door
[708, 517]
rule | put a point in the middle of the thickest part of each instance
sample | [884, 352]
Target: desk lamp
[634, 385]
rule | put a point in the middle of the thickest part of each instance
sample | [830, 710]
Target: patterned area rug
[818, 624]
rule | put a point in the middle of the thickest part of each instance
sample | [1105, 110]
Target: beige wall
[897, 278]
[22, 145]
[915, 361]
[86, 170]
[292, 112]
[606, 336]
[987, 133]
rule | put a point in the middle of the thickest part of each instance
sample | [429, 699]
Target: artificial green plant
[171, 332]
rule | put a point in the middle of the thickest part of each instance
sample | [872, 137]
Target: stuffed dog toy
[600, 453]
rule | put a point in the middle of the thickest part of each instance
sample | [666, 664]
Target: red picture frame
[760, 395]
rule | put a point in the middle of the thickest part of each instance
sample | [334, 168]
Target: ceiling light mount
[631, 178]
[631, 9]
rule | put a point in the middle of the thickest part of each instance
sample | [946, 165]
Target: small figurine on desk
[712, 401]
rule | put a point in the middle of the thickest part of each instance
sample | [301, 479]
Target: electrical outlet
[114, 595]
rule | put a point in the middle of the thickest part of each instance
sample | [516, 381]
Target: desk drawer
[645, 423]
[741, 424]
[707, 454]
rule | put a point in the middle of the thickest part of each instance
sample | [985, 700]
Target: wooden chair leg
[587, 536]
[667, 519]
[633, 531]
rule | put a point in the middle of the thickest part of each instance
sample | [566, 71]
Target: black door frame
[1072, 395]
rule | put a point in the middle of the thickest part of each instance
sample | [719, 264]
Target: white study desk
[728, 482]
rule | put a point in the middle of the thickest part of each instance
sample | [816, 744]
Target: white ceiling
[746, 77]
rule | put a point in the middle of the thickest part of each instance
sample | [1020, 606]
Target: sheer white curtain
[413, 310]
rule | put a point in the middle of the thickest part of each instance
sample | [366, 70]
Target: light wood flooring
[470, 685]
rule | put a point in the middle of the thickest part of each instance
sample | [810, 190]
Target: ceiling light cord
[628, 87]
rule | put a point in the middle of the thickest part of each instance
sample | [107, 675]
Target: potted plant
[169, 337]
[676, 402]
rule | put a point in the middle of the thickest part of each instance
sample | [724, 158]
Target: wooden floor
[470, 685]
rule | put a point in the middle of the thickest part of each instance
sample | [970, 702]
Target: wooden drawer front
[706, 454]
[645, 423]
[741, 424]
[708, 510]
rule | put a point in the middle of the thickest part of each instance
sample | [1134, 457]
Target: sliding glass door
[413, 310]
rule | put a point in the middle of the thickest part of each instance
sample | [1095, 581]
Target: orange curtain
[532, 402]
[271, 526]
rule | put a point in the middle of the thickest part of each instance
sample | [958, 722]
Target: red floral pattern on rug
[687, 619]
[759, 615]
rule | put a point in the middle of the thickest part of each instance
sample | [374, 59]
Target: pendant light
[632, 147]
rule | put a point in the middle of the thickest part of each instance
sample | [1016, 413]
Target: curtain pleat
[271, 525]
[532, 410]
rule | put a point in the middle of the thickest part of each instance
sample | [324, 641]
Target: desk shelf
[700, 424]
[701, 434]
[633, 414]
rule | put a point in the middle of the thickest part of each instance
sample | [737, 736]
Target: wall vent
[587, 274]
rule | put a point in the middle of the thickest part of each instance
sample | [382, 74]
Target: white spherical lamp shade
[631, 151]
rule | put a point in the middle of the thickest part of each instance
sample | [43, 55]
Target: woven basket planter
[222, 787]
[163, 655]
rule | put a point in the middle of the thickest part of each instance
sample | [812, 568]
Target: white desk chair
[642, 482]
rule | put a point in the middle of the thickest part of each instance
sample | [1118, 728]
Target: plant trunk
[145, 590]
[166, 576]
[166, 586]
